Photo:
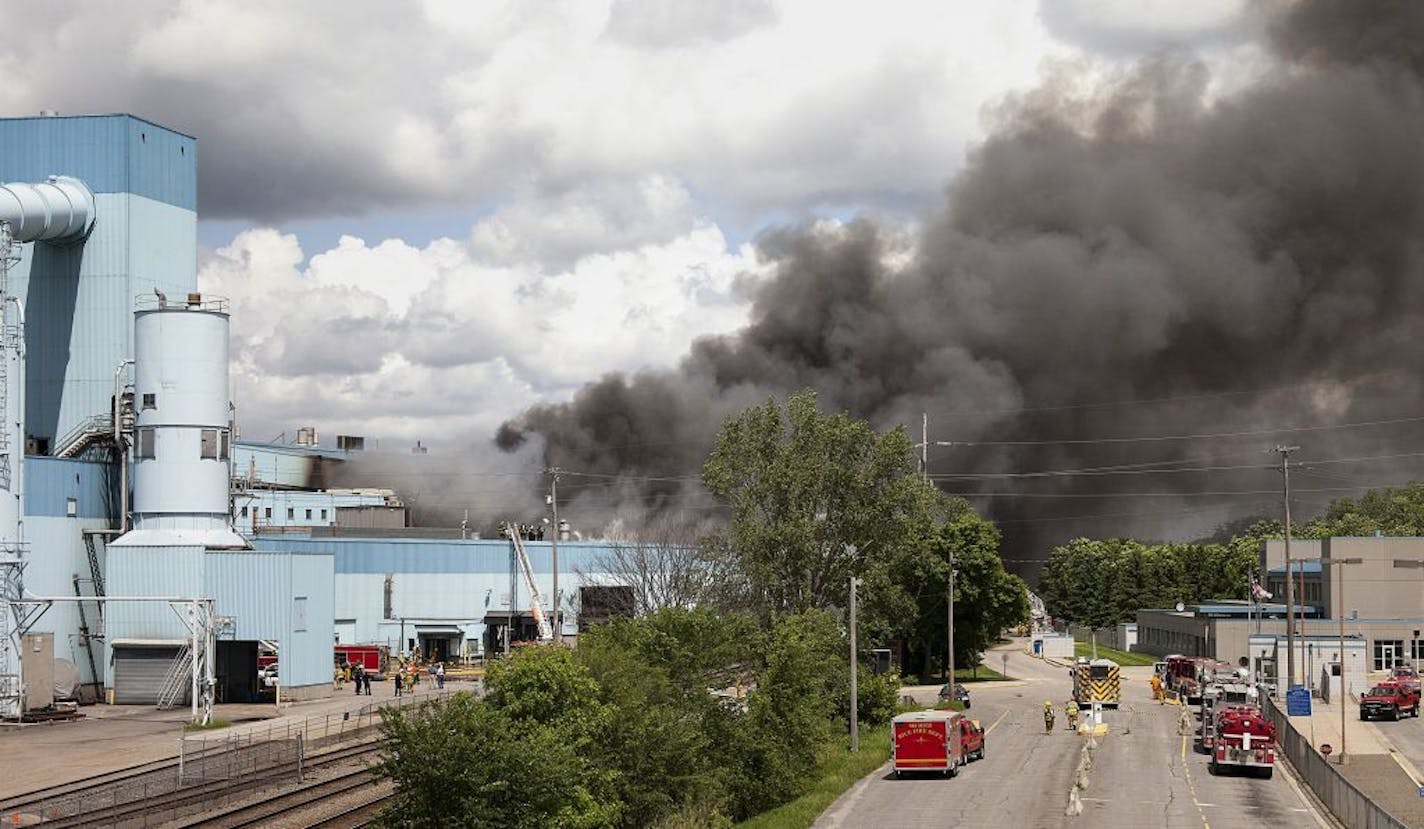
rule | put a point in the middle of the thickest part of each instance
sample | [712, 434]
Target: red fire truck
[932, 741]
[374, 658]
[1239, 737]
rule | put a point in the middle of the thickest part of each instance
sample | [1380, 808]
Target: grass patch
[211, 726]
[1085, 649]
[837, 773]
[979, 673]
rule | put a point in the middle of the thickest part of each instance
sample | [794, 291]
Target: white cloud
[387, 339]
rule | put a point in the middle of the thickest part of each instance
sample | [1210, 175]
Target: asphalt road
[1143, 772]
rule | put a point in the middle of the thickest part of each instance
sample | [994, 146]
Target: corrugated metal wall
[279, 465]
[112, 153]
[151, 571]
[56, 555]
[51, 482]
[79, 298]
[280, 596]
[454, 581]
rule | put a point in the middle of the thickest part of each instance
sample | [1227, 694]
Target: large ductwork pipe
[60, 208]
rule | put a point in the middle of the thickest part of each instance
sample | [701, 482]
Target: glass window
[308, 515]
[268, 513]
[244, 512]
[291, 513]
[145, 448]
[150, 401]
[323, 515]
[1388, 653]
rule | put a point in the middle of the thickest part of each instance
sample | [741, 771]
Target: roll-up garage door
[139, 672]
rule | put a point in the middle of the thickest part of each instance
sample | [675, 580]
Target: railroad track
[31, 801]
[296, 800]
[174, 803]
[356, 817]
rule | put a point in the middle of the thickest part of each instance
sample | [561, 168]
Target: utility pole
[554, 548]
[951, 627]
[1290, 585]
[854, 670]
[925, 446]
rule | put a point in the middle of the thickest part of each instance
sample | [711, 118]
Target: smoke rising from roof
[1123, 257]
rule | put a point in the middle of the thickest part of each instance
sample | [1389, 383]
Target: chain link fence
[1349, 805]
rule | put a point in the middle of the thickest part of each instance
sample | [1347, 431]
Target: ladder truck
[536, 602]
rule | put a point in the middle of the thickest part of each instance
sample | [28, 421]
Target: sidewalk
[1371, 765]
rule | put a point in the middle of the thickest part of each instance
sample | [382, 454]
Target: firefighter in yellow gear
[1070, 709]
[1048, 716]
[1156, 687]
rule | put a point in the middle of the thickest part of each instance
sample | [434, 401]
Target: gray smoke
[1137, 259]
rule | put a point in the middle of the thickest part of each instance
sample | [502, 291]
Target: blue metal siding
[272, 465]
[150, 571]
[79, 302]
[79, 298]
[412, 555]
[111, 153]
[50, 482]
[259, 591]
[251, 505]
[56, 554]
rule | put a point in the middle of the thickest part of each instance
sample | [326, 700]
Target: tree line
[1103, 582]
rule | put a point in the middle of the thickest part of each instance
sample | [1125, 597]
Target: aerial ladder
[536, 603]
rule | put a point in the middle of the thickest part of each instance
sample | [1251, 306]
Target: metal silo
[182, 437]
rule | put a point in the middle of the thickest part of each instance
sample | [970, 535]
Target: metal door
[139, 673]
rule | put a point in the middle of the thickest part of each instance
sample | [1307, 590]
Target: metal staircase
[177, 682]
[94, 431]
[86, 637]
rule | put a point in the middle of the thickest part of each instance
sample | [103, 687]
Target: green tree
[815, 498]
[525, 756]
[1388, 511]
[465, 763]
[987, 599]
[655, 674]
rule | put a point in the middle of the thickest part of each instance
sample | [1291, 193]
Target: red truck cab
[1391, 699]
[931, 741]
[971, 738]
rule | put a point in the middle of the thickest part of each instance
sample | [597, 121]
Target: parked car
[961, 694]
[267, 674]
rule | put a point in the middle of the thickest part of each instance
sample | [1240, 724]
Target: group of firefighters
[1070, 710]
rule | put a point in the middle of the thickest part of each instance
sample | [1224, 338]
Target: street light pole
[1340, 614]
[1290, 587]
[554, 549]
[854, 670]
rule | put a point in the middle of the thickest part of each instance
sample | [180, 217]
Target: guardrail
[1349, 805]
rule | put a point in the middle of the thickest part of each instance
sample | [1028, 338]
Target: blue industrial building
[133, 526]
[110, 491]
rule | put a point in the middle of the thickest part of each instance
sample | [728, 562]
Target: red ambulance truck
[929, 741]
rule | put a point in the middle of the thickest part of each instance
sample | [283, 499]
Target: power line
[1201, 436]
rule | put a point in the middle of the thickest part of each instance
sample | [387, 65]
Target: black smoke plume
[1124, 257]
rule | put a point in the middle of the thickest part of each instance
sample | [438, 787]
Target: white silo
[182, 435]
